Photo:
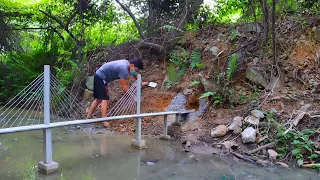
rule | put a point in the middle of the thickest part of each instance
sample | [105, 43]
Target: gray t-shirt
[113, 70]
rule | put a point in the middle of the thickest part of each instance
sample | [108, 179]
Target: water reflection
[87, 156]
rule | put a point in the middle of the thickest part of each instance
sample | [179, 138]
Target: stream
[85, 155]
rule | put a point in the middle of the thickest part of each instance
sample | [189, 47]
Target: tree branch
[133, 18]
[24, 28]
[62, 26]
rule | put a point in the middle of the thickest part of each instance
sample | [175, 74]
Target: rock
[272, 154]
[257, 113]
[274, 111]
[187, 92]
[215, 50]
[256, 60]
[89, 82]
[252, 120]
[208, 85]
[237, 130]
[305, 107]
[204, 41]
[188, 144]
[87, 94]
[282, 164]
[253, 27]
[219, 131]
[263, 163]
[254, 76]
[229, 144]
[236, 123]
[249, 135]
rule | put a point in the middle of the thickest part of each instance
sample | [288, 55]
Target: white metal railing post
[47, 165]
[138, 142]
[138, 120]
[47, 136]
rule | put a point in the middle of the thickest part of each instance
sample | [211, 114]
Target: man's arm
[124, 85]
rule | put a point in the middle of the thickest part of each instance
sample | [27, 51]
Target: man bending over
[107, 73]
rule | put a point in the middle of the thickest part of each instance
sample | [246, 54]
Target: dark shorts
[100, 90]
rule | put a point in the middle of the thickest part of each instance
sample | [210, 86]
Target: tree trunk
[274, 32]
[133, 18]
[143, 44]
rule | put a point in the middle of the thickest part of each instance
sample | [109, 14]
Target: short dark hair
[137, 62]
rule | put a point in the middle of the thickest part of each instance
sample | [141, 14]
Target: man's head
[135, 65]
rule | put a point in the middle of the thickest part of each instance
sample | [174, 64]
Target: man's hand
[124, 85]
[144, 83]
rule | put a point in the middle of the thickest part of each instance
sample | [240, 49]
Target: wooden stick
[260, 148]
[309, 165]
[242, 157]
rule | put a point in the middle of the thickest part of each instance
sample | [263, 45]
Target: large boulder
[89, 82]
[249, 135]
[208, 85]
[254, 76]
[253, 27]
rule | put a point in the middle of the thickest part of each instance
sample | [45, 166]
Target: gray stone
[215, 50]
[272, 154]
[204, 41]
[253, 27]
[187, 92]
[252, 120]
[256, 60]
[208, 85]
[254, 76]
[237, 130]
[257, 113]
[229, 144]
[89, 82]
[219, 131]
[236, 123]
[249, 135]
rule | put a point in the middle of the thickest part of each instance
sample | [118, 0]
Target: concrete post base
[165, 137]
[48, 168]
[138, 144]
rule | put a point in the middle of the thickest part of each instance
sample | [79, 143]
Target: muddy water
[87, 156]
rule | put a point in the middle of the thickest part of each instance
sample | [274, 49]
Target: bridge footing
[48, 168]
[138, 144]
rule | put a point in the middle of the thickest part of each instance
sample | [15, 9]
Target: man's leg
[93, 106]
[104, 110]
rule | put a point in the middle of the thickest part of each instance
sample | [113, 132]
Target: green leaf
[207, 94]
[316, 166]
[195, 58]
[313, 156]
[296, 151]
[296, 142]
[200, 65]
[193, 83]
[300, 162]
[308, 132]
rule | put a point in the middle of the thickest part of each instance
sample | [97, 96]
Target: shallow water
[87, 156]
